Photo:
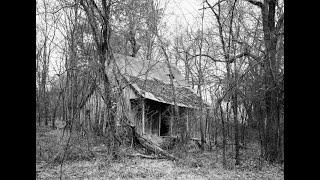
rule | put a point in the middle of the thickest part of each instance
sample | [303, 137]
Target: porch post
[171, 124]
[143, 116]
[187, 120]
[159, 121]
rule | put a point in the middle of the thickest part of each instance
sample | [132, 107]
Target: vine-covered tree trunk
[236, 127]
[101, 36]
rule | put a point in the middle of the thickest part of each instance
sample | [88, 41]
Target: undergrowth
[93, 154]
[51, 146]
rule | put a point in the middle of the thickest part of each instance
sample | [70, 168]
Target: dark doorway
[164, 128]
[155, 112]
[165, 121]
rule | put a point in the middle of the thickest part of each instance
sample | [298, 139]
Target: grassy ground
[194, 165]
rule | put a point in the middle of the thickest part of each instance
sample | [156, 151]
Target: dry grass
[195, 165]
[51, 143]
[137, 168]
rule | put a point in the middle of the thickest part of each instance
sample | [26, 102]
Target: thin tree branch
[279, 24]
[220, 27]
[256, 3]
[98, 10]
[53, 12]
[231, 59]
[212, 5]
[91, 21]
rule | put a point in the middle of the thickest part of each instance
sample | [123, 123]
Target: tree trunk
[236, 128]
[270, 40]
[270, 32]
[46, 111]
[224, 139]
[216, 132]
[248, 109]
[101, 36]
[261, 126]
[201, 128]
[227, 121]
[243, 134]
[53, 125]
[108, 105]
[186, 66]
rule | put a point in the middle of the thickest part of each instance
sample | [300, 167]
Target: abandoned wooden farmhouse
[148, 98]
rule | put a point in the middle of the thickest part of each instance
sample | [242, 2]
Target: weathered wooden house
[148, 97]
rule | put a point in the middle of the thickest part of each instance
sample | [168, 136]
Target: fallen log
[149, 145]
[143, 156]
[154, 148]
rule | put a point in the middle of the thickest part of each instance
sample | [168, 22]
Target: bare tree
[99, 17]
[272, 32]
[46, 33]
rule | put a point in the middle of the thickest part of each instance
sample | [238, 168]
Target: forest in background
[234, 60]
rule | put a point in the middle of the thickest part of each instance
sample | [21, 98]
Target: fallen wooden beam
[149, 145]
[154, 148]
[143, 156]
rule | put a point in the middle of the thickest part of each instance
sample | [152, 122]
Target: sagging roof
[152, 81]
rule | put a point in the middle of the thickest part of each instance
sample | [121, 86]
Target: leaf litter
[194, 165]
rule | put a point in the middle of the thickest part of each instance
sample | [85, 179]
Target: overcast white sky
[179, 15]
[183, 13]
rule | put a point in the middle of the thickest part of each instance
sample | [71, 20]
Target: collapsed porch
[156, 118]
